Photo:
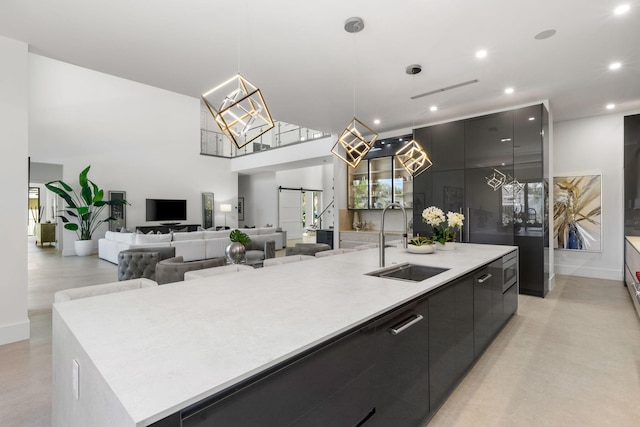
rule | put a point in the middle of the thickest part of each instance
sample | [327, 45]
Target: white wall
[260, 199]
[594, 146]
[137, 138]
[14, 324]
[261, 190]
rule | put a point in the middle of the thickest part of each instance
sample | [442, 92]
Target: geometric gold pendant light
[414, 158]
[352, 144]
[239, 110]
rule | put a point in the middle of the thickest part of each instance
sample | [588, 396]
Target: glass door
[358, 186]
[402, 185]
[382, 183]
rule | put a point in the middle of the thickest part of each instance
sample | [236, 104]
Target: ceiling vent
[444, 89]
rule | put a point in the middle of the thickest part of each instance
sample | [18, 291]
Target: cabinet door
[489, 213]
[342, 369]
[482, 310]
[489, 140]
[402, 184]
[358, 186]
[401, 371]
[450, 338]
[381, 182]
[447, 146]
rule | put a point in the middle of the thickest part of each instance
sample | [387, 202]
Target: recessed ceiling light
[622, 9]
[303, 138]
[545, 34]
[531, 119]
[615, 65]
[508, 90]
[611, 106]
[433, 108]
[376, 122]
[481, 54]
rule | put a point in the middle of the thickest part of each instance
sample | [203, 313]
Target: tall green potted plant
[83, 209]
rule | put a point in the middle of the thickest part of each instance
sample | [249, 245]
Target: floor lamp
[225, 207]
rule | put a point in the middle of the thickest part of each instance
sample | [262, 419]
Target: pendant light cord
[355, 59]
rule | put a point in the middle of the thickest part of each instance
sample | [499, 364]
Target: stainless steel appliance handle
[404, 326]
[484, 278]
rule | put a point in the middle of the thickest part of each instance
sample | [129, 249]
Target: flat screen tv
[166, 210]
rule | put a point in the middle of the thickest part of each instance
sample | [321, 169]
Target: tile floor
[571, 359]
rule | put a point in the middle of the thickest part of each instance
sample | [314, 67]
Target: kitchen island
[166, 355]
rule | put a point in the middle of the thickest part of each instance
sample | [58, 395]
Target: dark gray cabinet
[487, 306]
[513, 209]
[331, 386]
[401, 369]
[450, 337]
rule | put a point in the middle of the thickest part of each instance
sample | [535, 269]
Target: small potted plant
[420, 245]
[236, 250]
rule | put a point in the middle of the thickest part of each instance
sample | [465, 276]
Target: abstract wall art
[577, 212]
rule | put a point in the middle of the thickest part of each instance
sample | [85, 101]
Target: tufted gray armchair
[141, 262]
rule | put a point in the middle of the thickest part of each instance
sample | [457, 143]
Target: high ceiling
[309, 67]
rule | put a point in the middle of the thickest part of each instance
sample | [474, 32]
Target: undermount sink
[408, 272]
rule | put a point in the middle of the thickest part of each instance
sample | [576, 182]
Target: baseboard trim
[15, 332]
[595, 273]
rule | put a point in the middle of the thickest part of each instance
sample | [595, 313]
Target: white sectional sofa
[192, 245]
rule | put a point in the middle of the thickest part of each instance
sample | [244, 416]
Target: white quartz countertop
[161, 349]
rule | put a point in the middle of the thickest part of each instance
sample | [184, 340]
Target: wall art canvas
[240, 208]
[577, 212]
[207, 210]
[119, 212]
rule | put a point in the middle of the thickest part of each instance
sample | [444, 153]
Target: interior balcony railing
[214, 143]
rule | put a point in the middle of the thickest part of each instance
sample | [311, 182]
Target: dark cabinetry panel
[488, 213]
[402, 374]
[450, 337]
[325, 236]
[631, 175]
[447, 146]
[342, 369]
[487, 305]
[489, 140]
[510, 146]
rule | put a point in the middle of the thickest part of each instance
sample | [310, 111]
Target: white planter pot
[424, 249]
[448, 246]
[83, 247]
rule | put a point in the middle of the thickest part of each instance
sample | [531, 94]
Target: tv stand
[169, 223]
[164, 228]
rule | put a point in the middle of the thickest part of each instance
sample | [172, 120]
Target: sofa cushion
[193, 235]
[266, 230]
[250, 231]
[215, 247]
[120, 237]
[190, 250]
[152, 238]
[222, 234]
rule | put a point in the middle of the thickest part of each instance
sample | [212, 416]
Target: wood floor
[571, 359]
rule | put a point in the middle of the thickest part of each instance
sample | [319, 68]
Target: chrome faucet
[404, 236]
